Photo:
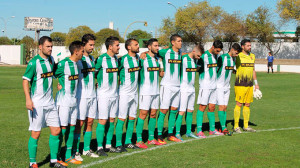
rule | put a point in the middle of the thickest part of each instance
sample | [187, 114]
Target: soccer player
[187, 90]
[107, 93]
[86, 98]
[207, 88]
[270, 59]
[245, 77]
[40, 103]
[225, 68]
[149, 94]
[67, 74]
[128, 96]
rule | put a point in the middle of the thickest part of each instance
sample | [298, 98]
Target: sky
[97, 14]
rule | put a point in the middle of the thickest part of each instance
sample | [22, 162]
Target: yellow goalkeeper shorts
[243, 94]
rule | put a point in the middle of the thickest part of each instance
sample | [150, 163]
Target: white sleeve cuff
[24, 77]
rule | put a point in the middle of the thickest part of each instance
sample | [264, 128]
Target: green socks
[76, 142]
[211, 119]
[160, 123]
[119, 132]
[87, 140]
[172, 117]
[129, 131]
[189, 121]
[222, 118]
[139, 129]
[61, 138]
[151, 128]
[100, 135]
[110, 133]
[69, 142]
[32, 148]
[199, 120]
[54, 145]
[178, 123]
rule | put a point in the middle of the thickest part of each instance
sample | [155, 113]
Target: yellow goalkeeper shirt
[244, 69]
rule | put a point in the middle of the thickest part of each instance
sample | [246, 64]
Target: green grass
[279, 108]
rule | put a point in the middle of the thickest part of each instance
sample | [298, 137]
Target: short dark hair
[200, 48]
[75, 45]
[43, 39]
[174, 37]
[243, 42]
[271, 52]
[151, 41]
[85, 38]
[218, 44]
[128, 42]
[110, 41]
[237, 47]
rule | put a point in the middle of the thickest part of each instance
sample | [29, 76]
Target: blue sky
[98, 14]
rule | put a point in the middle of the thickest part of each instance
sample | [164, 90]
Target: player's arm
[27, 77]
[220, 63]
[200, 65]
[98, 66]
[144, 55]
[255, 80]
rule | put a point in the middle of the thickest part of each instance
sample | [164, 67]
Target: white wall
[10, 54]
[60, 49]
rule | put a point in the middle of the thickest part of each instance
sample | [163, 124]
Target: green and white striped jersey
[225, 68]
[188, 73]
[172, 62]
[86, 85]
[129, 74]
[107, 75]
[39, 72]
[67, 74]
[208, 71]
[149, 76]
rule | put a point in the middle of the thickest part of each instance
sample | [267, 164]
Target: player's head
[197, 51]
[270, 53]
[176, 41]
[153, 45]
[132, 45]
[246, 45]
[235, 49]
[89, 42]
[45, 45]
[217, 47]
[76, 49]
[112, 44]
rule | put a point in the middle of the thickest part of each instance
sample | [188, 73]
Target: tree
[103, 34]
[5, 41]
[29, 46]
[77, 33]
[139, 34]
[289, 9]
[58, 38]
[168, 28]
[297, 33]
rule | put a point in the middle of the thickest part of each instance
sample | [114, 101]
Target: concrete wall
[10, 54]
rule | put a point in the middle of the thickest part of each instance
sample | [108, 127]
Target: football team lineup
[126, 83]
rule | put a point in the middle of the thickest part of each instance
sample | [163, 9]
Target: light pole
[169, 3]
[145, 24]
[5, 23]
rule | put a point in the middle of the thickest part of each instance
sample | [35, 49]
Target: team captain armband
[211, 65]
[87, 70]
[229, 67]
[73, 77]
[46, 75]
[247, 64]
[191, 69]
[152, 69]
[111, 70]
[133, 69]
[174, 61]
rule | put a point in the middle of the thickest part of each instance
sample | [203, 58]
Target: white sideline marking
[171, 144]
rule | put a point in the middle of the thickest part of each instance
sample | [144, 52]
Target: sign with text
[38, 23]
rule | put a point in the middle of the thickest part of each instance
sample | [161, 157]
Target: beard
[154, 51]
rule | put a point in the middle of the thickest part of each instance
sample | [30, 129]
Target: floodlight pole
[145, 24]
[5, 23]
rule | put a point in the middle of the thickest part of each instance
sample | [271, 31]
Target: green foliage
[58, 38]
[30, 45]
[103, 34]
[139, 34]
[5, 41]
[289, 9]
[77, 33]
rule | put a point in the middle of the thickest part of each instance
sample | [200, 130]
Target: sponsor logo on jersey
[191, 69]
[133, 69]
[87, 70]
[153, 69]
[247, 64]
[47, 75]
[211, 65]
[73, 77]
[111, 70]
[174, 61]
[229, 67]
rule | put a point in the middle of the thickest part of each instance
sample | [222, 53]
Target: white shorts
[67, 115]
[128, 106]
[147, 102]
[223, 96]
[87, 107]
[107, 107]
[169, 96]
[207, 96]
[187, 101]
[43, 116]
